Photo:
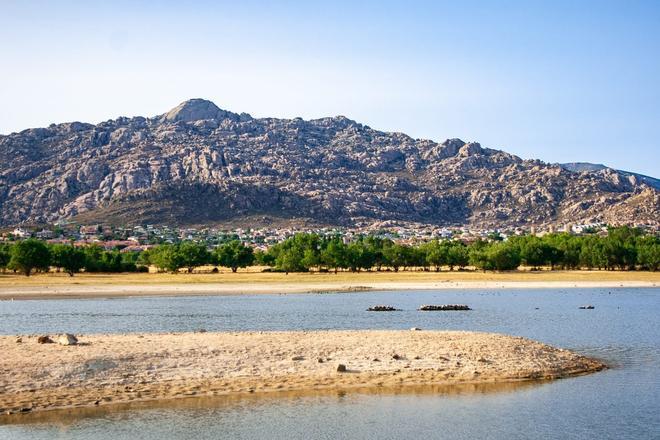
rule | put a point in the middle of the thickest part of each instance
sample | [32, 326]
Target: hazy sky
[554, 80]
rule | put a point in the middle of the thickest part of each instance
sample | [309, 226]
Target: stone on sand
[67, 339]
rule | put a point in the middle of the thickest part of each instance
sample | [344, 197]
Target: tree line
[622, 248]
[32, 255]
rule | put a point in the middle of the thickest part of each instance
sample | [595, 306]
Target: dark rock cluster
[444, 307]
[382, 309]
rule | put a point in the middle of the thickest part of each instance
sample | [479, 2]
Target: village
[143, 237]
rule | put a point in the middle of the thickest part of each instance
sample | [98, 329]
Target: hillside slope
[198, 164]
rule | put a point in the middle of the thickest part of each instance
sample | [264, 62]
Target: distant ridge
[198, 164]
[581, 167]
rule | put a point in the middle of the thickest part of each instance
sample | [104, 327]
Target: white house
[21, 233]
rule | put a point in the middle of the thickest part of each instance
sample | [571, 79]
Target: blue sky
[554, 80]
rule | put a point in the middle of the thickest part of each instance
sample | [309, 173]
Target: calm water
[620, 403]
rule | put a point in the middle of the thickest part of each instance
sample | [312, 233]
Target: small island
[109, 369]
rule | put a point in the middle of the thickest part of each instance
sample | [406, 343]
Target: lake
[620, 403]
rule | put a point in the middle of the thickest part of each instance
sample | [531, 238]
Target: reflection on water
[619, 403]
[67, 417]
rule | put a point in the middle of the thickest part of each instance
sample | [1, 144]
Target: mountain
[581, 167]
[198, 164]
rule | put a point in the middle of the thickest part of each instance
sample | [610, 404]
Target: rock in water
[381, 309]
[67, 339]
[444, 307]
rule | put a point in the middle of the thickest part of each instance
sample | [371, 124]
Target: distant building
[91, 230]
[45, 234]
[21, 233]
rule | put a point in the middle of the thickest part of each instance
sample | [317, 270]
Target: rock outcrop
[199, 164]
[444, 307]
[67, 339]
[381, 309]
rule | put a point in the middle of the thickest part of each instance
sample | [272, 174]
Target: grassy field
[255, 277]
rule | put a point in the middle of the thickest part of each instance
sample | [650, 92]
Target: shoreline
[70, 415]
[106, 370]
[92, 285]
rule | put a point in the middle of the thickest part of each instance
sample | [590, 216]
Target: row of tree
[32, 255]
[189, 254]
[303, 252]
[623, 248]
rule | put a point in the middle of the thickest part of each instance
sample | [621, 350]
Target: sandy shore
[62, 291]
[89, 285]
[116, 369]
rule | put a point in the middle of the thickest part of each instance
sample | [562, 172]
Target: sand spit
[120, 369]
[63, 291]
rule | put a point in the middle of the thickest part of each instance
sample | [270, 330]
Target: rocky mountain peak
[454, 144]
[199, 164]
[195, 110]
[470, 149]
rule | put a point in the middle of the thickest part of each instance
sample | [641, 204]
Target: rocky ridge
[199, 164]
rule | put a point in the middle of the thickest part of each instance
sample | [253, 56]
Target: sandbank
[119, 369]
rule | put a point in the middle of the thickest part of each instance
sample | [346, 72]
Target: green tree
[111, 261]
[93, 256]
[620, 245]
[234, 255]
[477, 254]
[568, 250]
[534, 251]
[131, 262]
[311, 258]
[5, 256]
[335, 254]
[290, 260]
[68, 258]
[648, 253]
[416, 257]
[264, 258]
[503, 257]
[143, 258]
[359, 256]
[624, 234]
[375, 246]
[495, 256]
[297, 253]
[166, 257]
[192, 254]
[28, 255]
[437, 254]
[457, 255]
[397, 256]
[592, 253]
